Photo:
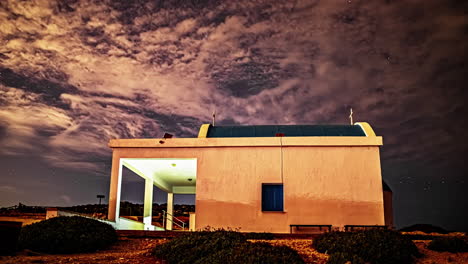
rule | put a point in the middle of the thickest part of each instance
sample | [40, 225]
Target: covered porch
[171, 175]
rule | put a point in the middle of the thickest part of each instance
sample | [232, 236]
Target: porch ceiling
[170, 175]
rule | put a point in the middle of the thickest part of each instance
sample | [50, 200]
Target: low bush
[332, 242]
[343, 258]
[254, 253]
[450, 244]
[67, 235]
[224, 247]
[194, 246]
[373, 246]
[260, 236]
[426, 228]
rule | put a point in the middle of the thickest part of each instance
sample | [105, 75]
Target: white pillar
[148, 204]
[170, 210]
[115, 189]
[192, 222]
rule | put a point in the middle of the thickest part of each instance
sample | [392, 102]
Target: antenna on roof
[351, 116]
[214, 116]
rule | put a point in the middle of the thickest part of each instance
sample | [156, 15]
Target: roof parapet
[203, 132]
[366, 128]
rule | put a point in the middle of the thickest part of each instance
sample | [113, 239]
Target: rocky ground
[138, 250]
[434, 257]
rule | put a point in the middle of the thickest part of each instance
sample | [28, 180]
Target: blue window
[272, 197]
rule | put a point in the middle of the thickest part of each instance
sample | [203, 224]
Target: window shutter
[272, 197]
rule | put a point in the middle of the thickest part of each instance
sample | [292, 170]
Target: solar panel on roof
[287, 130]
[312, 130]
[265, 130]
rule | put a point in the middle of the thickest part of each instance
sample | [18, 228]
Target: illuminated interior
[178, 176]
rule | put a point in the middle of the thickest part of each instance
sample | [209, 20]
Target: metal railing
[177, 221]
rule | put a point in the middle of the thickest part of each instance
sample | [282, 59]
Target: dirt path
[126, 250]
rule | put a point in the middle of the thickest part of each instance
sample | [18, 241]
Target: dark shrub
[253, 253]
[9, 231]
[374, 246]
[342, 258]
[426, 228]
[262, 236]
[67, 235]
[194, 246]
[332, 242]
[450, 244]
[223, 247]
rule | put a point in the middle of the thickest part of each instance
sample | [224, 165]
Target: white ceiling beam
[183, 189]
[158, 182]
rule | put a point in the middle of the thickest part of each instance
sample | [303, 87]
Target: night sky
[74, 74]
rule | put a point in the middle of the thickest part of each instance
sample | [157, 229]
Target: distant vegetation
[126, 208]
[221, 246]
[67, 235]
[370, 246]
[22, 209]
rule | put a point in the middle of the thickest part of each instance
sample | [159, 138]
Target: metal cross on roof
[214, 116]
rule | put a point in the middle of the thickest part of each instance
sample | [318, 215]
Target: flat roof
[245, 142]
[359, 134]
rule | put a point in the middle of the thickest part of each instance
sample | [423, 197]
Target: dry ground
[24, 219]
[434, 257]
[126, 250]
[137, 250]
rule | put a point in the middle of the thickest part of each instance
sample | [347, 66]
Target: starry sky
[76, 73]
